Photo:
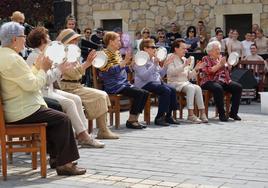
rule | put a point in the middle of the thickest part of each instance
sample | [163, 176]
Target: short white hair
[213, 44]
[8, 31]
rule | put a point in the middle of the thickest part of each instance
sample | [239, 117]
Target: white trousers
[72, 106]
[193, 93]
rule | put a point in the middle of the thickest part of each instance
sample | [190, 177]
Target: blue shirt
[150, 72]
[115, 79]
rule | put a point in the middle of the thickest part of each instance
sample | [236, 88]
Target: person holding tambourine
[95, 101]
[148, 77]
[115, 80]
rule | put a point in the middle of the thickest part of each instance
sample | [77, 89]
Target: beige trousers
[193, 93]
[95, 101]
[72, 106]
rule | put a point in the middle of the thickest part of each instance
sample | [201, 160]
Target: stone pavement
[214, 155]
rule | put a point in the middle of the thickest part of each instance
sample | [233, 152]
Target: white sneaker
[194, 119]
[91, 143]
[204, 118]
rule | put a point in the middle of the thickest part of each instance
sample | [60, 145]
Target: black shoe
[171, 120]
[53, 163]
[235, 117]
[223, 118]
[142, 125]
[133, 125]
[161, 121]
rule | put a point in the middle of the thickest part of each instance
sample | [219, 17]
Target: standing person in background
[161, 40]
[235, 45]
[126, 45]
[145, 34]
[87, 33]
[229, 38]
[137, 38]
[70, 23]
[97, 38]
[219, 37]
[255, 27]
[262, 42]
[191, 40]
[23, 102]
[173, 34]
[18, 17]
[247, 44]
[201, 28]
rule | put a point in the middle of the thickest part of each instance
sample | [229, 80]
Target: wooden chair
[34, 140]
[207, 95]
[116, 102]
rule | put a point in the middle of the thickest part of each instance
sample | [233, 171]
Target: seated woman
[148, 77]
[178, 74]
[95, 101]
[191, 39]
[71, 104]
[215, 77]
[23, 102]
[114, 76]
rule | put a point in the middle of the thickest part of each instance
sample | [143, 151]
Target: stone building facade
[136, 14]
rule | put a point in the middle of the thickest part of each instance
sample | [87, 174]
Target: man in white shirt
[246, 44]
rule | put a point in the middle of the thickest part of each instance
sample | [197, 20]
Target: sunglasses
[161, 37]
[88, 32]
[191, 31]
[146, 32]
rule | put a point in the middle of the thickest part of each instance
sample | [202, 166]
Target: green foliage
[35, 11]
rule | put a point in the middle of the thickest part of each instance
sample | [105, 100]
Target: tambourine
[233, 59]
[55, 51]
[100, 60]
[141, 58]
[58, 53]
[161, 53]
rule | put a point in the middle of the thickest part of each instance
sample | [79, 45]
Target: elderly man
[215, 77]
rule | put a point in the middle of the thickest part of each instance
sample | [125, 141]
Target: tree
[35, 11]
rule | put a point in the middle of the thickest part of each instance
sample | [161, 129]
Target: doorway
[241, 22]
[110, 25]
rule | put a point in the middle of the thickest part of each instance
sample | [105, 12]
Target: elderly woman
[95, 101]
[215, 77]
[23, 103]
[178, 74]
[114, 76]
[148, 77]
[71, 104]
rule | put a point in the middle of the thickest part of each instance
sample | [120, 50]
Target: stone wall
[160, 13]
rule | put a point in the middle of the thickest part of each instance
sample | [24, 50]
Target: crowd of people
[36, 90]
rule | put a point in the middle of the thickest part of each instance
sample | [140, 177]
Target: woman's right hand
[46, 64]
[43, 62]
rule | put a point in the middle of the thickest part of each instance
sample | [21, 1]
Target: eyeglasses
[161, 37]
[88, 32]
[24, 36]
[191, 31]
[152, 47]
[146, 32]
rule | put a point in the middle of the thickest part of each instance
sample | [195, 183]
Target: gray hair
[8, 31]
[213, 44]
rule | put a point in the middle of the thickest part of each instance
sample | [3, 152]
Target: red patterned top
[206, 74]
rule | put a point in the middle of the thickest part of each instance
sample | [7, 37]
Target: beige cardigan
[178, 74]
